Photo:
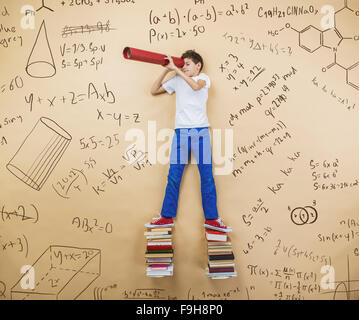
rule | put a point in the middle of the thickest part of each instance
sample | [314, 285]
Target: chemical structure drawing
[339, 39]
[44, 6]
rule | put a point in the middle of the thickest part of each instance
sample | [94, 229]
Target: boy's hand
[170, 66]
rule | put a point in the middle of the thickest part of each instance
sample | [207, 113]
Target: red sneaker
[160, 222]
[217, 224]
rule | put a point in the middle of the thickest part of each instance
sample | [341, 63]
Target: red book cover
[214, 231]
[212, 235]
[159, 247]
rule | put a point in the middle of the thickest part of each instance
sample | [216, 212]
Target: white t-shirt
[191, 105]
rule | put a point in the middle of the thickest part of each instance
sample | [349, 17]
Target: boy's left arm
[195, 85]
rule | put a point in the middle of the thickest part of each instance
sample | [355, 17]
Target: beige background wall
[295, 157]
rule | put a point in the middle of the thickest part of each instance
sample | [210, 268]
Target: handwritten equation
[117, 117]
[91, 3]
[91, 225]
[87, 29]
[323, 174]
[256, 210]
[256, 151]
[345, 102]
[77, 180]
[299, 253]
[195, 18]
[15, 244]
[73, 98]
[74, 181]
[232, 68]
[257, 45]
[259, 237]
[22, 213]
[266, 91]
[288, 283]
[196, 14]
[14, 84]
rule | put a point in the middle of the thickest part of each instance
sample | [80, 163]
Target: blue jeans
[199, 141]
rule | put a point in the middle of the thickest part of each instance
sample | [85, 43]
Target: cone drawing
[41, 62]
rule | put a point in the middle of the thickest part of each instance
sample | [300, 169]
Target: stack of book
[159, 252]
[220, 255]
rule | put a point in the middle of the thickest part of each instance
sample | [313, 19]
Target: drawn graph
[344, 288]
[39, 154]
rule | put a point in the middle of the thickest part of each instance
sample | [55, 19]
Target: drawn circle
[304, 215]
[41, 69]
[312, 213]
[299, 216]
[52, 125]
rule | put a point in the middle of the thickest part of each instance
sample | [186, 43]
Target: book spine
[158, 248]
[221, 257]
[154, 265]
[158, 255]
[156, 233]
[210, 239]
[160, 251]
[215, 232]
[219, 252]
[214, 270]
[159, 243]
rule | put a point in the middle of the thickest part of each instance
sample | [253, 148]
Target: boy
[191, 133]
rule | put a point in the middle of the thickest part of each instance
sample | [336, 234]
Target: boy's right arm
[157, 86]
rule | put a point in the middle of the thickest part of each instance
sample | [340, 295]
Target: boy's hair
[194, 56]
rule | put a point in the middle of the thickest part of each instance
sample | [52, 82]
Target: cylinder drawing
[150, 57]
[39, 154]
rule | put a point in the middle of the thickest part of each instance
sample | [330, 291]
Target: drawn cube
[61, 273]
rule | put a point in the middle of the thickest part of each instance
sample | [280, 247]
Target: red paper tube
[150, 57]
